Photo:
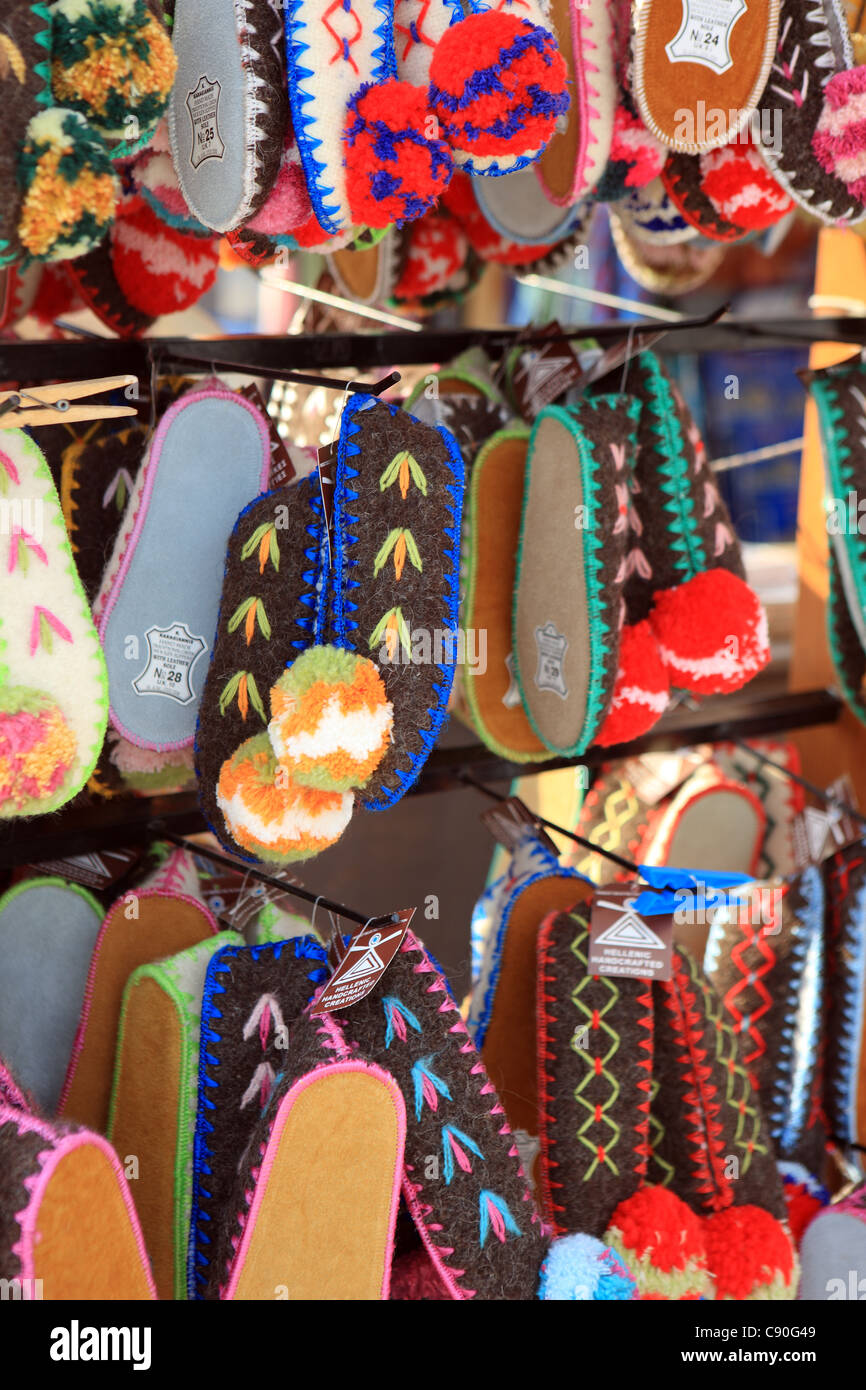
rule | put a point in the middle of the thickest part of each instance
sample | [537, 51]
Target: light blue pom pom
[579, 1267]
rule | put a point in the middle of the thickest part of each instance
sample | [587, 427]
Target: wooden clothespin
[51, 405]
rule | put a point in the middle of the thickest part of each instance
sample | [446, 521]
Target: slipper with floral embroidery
[294, 1227]
[700, 70]
[53, 687]
[153, 1099]
[140, 927]
[252, 996]
[595, 1069]
[68, 1225]
[812, 103]
[568, 608]
[394, 591]
[48, 929]
[228, 111]
[269, 613]
[765, 959]
[157, 606]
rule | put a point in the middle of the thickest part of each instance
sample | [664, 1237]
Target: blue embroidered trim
[385, 55]
[851, 1013]
[305, 948]
[798, 1054]
[328, 214]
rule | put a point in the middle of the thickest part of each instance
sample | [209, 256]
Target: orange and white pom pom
[271, 816]
[330, 719]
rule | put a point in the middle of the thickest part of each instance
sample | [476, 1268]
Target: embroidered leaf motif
[243, 685]
[11, 60]
[393, 628]
[21, 545]
[454, 1145]
[263, 539]
[119, 488]
[43, 625]
[403, 467]
[428, 1086]
[495, 1217]
[253, 609]
[8, 473]
[396, 1017]
[402, 542]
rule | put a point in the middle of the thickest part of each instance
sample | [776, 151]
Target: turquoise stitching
[685, 542]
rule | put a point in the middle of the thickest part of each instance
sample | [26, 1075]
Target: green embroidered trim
[454, 373]
[593, 562]
[44, 38]
[615, 1130]
[243, 685]
[685, 541]
[748, 1137]
[841, 480]
[471, 579]
[53, 882]
[405, 467]
[167, 974]
[836, 604]
[253, 609]
[666, 1172]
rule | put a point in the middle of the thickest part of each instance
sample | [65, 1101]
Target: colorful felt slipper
[97, 477]
[726, 194]
[464, 1184]
[700, 71]
[153, 1099]
[293, 1227]
[68, 1226]
[369, 145]
[53, 688]
[48, 929]
[765, 959]
[571, 568]
[368, 270]
[97, 287]
[665, 270]
[844, 1098]
[491, 539]
[141, 927]
[575, 159]
[397, 512]
[840, 395]
[464, 399]
[209, 456]
[782, 798]
[712, 821]
[813, 103]
[595, 1067]
[439, 265]
[709, 1142]
[649, 215]
[252, 995]
[520, 211]
[268, 615]
[112, 61]
[709, 625]
[228, 111]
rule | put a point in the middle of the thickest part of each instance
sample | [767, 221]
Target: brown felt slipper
[140, 927]
[573, 162]
[571, 568]
[463, 398]
[68, 1227]
[701, 68]
[153, 1099]
[490, 544]
[368, 270]
[595, 1067]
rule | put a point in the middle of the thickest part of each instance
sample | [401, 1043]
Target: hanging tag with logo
[364, 960]
[622, 942]
[820, 831]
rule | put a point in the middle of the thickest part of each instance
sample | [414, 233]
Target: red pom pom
[497, 84]
[662, 1243]
[434, 252]
[640, 695]
[750, 1255]
[839, 141]
[159, 269]
[396, 164]
[712, 632]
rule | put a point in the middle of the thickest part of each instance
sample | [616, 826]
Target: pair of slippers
[382, 105]
[83, 82]
[393, 1091]
[631, 1144]
[335, 654]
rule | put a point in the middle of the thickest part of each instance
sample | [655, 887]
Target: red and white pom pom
[434, 252]
[642, 689]
[498, 85]
[159, 269]
[741, 188]
[712, 632]
[397, 165]
[839, 141]
[634, 145]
